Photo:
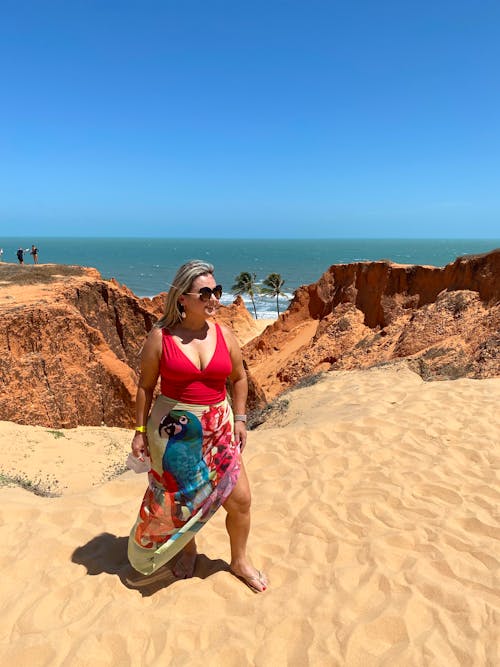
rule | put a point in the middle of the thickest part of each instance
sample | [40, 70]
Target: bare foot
[186, 561]
[253, 578]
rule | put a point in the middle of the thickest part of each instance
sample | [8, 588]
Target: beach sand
[375, 516]
[258, 326]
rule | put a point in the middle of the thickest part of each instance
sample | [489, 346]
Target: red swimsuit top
[184, 382]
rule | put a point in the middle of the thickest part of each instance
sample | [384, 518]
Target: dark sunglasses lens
[206, 292]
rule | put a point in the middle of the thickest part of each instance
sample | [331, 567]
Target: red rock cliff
[445, 320]
[70, 344]
[69, 347]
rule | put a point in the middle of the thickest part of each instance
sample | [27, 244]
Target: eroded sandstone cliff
[69, 347]
[445, 321]
[70, 341]
[70, 344]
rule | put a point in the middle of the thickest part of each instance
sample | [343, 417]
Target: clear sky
[246, 118]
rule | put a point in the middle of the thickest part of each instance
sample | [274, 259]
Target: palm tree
[245, 284]
[273, 284]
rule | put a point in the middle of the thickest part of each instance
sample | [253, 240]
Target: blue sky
[260, 118]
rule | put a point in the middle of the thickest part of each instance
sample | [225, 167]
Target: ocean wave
[265, 306]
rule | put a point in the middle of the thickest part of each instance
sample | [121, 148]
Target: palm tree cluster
[245, 283]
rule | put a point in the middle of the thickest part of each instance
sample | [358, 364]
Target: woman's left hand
[240, 434]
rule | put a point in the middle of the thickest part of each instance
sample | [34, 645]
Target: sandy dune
[376, 517]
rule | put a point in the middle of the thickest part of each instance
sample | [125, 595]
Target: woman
[191, 434]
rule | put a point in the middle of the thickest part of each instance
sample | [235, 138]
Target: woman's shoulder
[227, 333]
[152, 348]
[156, 333]
[223, 328]
[154, 339]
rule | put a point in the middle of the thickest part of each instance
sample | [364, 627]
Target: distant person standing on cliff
[34, 253]
[1, 254]
[20, 256]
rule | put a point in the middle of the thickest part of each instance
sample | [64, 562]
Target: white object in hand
[142, 464]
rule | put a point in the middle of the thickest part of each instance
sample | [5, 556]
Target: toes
[261, 579]
[257, 581]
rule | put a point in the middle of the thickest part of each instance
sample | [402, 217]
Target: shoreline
[145, 265]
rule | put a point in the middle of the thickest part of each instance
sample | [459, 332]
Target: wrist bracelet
[140, 429]
[240, 418]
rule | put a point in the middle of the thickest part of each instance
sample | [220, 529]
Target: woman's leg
[237, 507]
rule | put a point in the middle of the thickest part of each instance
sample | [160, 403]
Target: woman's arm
[239, 381]
[150, 369]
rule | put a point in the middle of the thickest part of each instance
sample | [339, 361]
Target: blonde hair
[181, 284]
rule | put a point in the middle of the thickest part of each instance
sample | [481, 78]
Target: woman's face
[192, 301]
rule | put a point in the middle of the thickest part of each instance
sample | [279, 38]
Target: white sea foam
[147, 265]
[264, 305]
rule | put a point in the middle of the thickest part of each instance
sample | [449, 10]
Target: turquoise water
[147, 265]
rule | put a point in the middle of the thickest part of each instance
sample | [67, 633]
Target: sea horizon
[146, 265]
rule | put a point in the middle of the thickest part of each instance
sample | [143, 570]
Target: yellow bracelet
[140, 429]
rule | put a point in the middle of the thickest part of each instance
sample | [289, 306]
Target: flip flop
[247, 581]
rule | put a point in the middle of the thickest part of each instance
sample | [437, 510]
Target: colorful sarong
[195, 465]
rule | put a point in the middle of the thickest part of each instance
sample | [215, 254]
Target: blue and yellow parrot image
[182, 460]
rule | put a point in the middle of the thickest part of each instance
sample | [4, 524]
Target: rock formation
[70, 345]
[70, 341]
[445, 321]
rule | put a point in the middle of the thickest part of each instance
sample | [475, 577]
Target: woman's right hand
[140, 447]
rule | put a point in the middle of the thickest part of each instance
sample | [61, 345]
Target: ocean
[146, 265]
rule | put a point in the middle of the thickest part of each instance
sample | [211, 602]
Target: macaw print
[195, 464]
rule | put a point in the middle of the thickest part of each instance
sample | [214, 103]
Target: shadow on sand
[108, 553]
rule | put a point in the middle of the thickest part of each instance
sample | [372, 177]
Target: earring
[182, 312]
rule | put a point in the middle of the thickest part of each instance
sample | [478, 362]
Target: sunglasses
[205, 293]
